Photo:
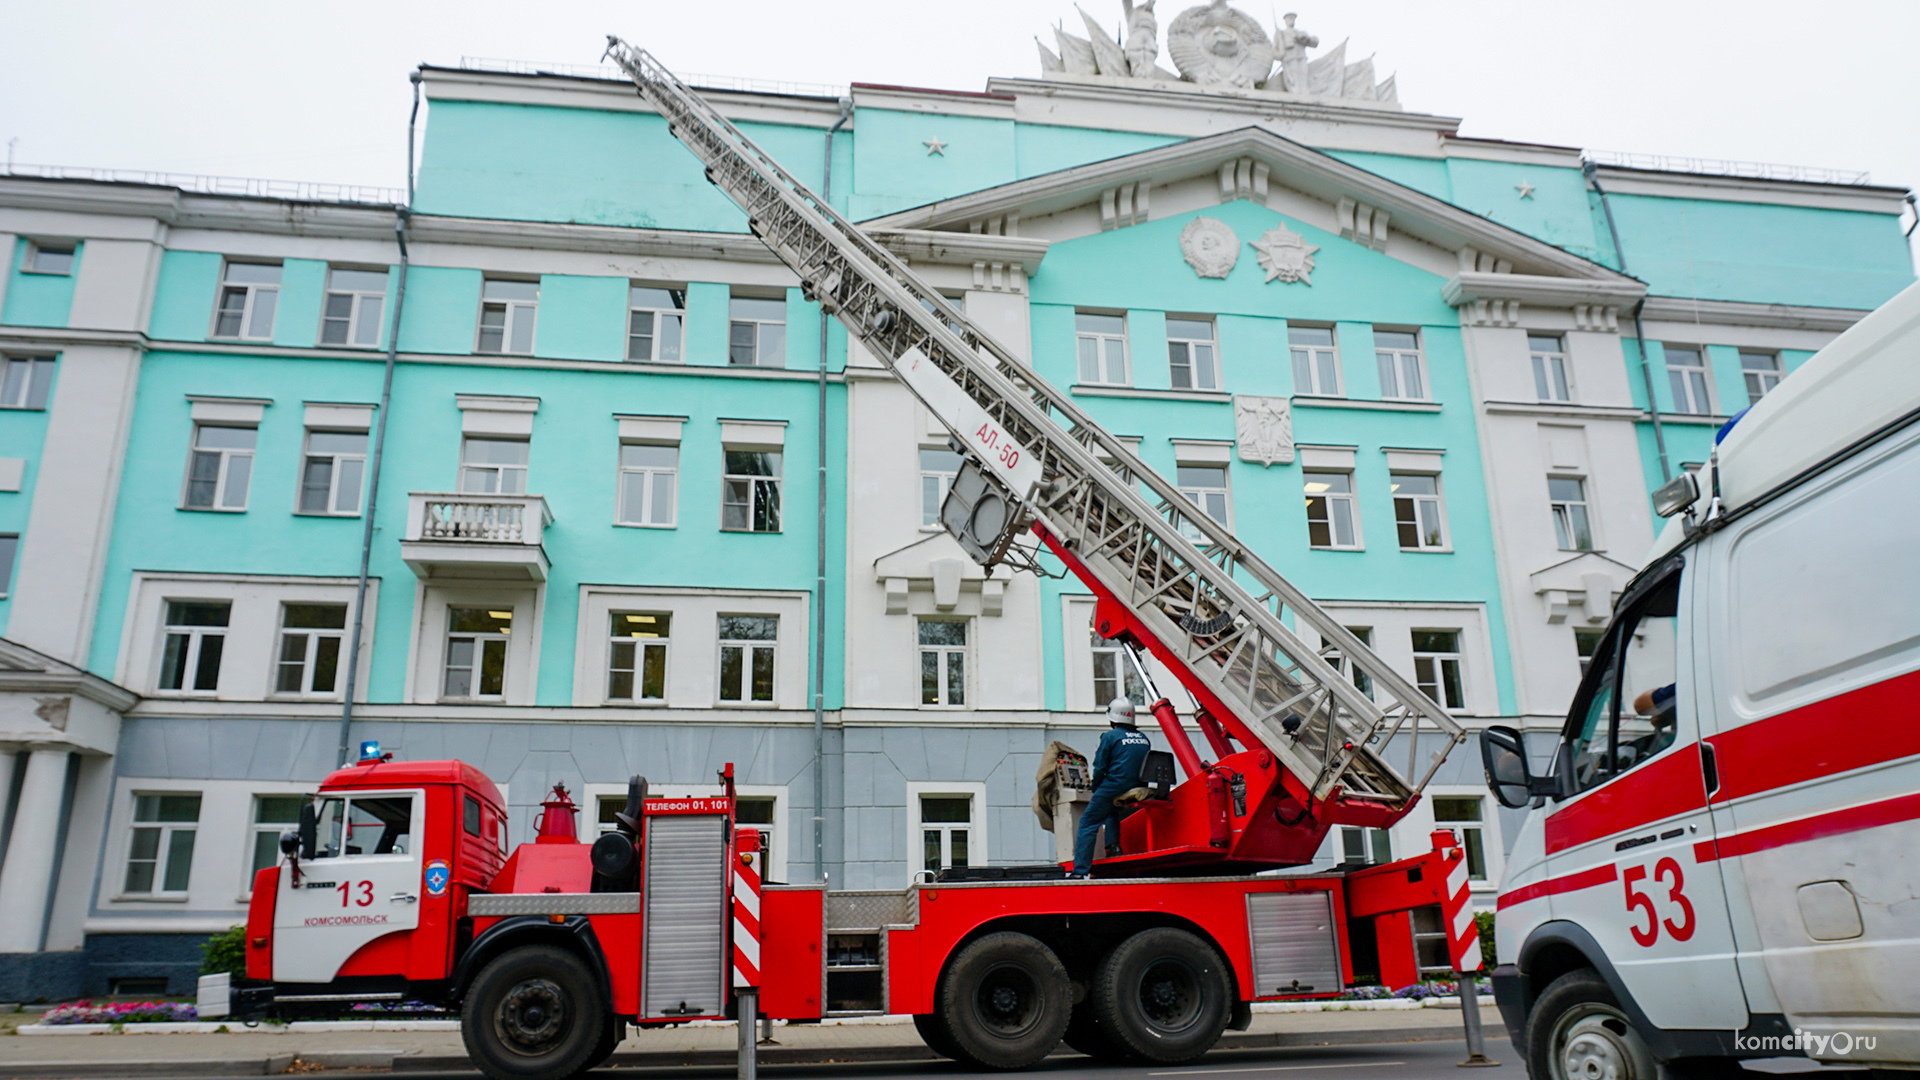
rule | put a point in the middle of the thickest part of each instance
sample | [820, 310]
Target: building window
[757, 811]
[310, 636]
[747, 650]
[937, 469]
[248, 293]
[1102, 344]
[196, 634]
[757, 334]
[355, 299]
[219, 467]
[1332, 515]
[1316, 367]
[1113, 674]
[1571, 526]
[160, 851]
[943, 662]
[272, 815]
[1462, 814]
[49, 259]
[1436, 666]
[25, 382]
[946, 827]
[1362, 845]
[493, 466]
[1549, 368]
[1192, 357]
[1403, 370]
[330, 479]
[476, 665]
[1687, 375]
[1361, 681]
[655, 318]
[1205, 486]
[637, 656]
[1762, 372]
[9, 549]
[1585, 644]
[507, 312]
[1417, 512]
[648, 476]
[750, 496]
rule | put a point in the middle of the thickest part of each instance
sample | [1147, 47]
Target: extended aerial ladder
[1313, 750]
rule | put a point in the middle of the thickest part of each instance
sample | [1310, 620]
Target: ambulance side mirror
[309, 830]
[1505, 761]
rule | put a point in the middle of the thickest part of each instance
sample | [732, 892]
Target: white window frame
[481, 638]
[1397, 364]
[223, 472]
[1487, 827]
[1563, 512]
[1693, 378]
[756, 325]
[1352, 500]
[1440, 660]
[1203, 355]
[499, 473]
[26, 382]
[1079, 648]
[196, 644]
[660, 317]
[943, 659]
[1125, 682]
[1317, 358]
[1361, 681]
[692, 668]
[1369, 841]
[942, 481]
[255, 827]
[310, 652]
[334, 459]
[757, 485]
[649, 488]
[1105, 345]
[1196, 495]
[749, 647]
[1438, 500]
[163, 853]
[1593, 637]
[30, 264]
[1766, 378]
[358, 317]
[1552, 370]
[9, 552]
[513, 312]
[977, 838]
[641, 647]
[254, 295]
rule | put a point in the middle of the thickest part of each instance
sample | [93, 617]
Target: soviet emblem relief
[1210, 247]
[1263, 429]
[1285, 254]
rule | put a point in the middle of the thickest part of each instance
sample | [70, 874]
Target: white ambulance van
[1722, 858]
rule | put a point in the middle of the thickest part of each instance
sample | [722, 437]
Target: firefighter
[1116, 770]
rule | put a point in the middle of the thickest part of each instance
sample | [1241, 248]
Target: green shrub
[1484, 919]
[225, 952]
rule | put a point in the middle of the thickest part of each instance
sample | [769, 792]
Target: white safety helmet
[1120, 711]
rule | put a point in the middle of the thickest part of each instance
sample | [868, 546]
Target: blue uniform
[1116, 770]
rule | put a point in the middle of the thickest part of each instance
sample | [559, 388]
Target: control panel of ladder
[1186, 589]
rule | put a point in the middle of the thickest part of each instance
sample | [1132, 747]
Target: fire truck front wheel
[1004, 1001]
[1577, 1029]
[1164, 995]
[533, 1013]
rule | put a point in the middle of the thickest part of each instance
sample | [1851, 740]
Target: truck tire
[610, 1037]
[1005, 1001]
[1085, 1035]
[533, 1012]
[935, 1035]
[1164, 996]
[1577, 1029]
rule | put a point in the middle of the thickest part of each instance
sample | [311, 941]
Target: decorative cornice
[1204, 397]
[1564, 410]
[961, 249]
[1217, 101]
[1736, 313]
[25, 670]
[1302, 401]
[1535, 290]
[1873, 199]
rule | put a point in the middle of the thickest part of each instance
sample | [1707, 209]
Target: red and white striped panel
[1456, 906]
[746, 909]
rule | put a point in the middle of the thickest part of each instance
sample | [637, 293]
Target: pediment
[25, 670]
[1585, 585]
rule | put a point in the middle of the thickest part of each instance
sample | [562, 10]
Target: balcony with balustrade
[468, 536]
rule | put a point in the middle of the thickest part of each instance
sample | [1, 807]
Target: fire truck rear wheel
[1004, 1000]
[1164, 995]
[1085, 1034]
[935, 1034]
[1578, 1030]
[533, 1012]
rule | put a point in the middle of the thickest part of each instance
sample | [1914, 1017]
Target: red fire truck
[399, 883]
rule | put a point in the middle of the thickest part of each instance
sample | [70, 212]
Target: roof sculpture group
[1218, 47]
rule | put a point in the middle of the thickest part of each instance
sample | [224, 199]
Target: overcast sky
[320, 92]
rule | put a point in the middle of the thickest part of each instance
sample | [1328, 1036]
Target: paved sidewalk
[256, 1053]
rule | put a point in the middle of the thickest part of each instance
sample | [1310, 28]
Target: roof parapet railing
[1746, 170]
[735, 83]
[240, 186]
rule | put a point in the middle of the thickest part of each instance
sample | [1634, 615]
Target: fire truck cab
[1719, 863]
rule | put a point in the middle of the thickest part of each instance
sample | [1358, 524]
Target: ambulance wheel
[935, 1035]
[533, 1012]
[1004, 1000]
[1164, 996]
[1085, 1035]
[1578, 1030]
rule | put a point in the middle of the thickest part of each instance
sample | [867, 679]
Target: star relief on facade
[1285, 255]
[1263, 429]
[1210, 247]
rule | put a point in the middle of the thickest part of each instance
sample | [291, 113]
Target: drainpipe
[379, 445]
[1639, 331]
[820, 550]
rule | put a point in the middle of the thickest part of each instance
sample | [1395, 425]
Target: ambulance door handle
[401, 897]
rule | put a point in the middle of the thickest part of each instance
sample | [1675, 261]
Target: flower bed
[1416, 992]
[121, 1012]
